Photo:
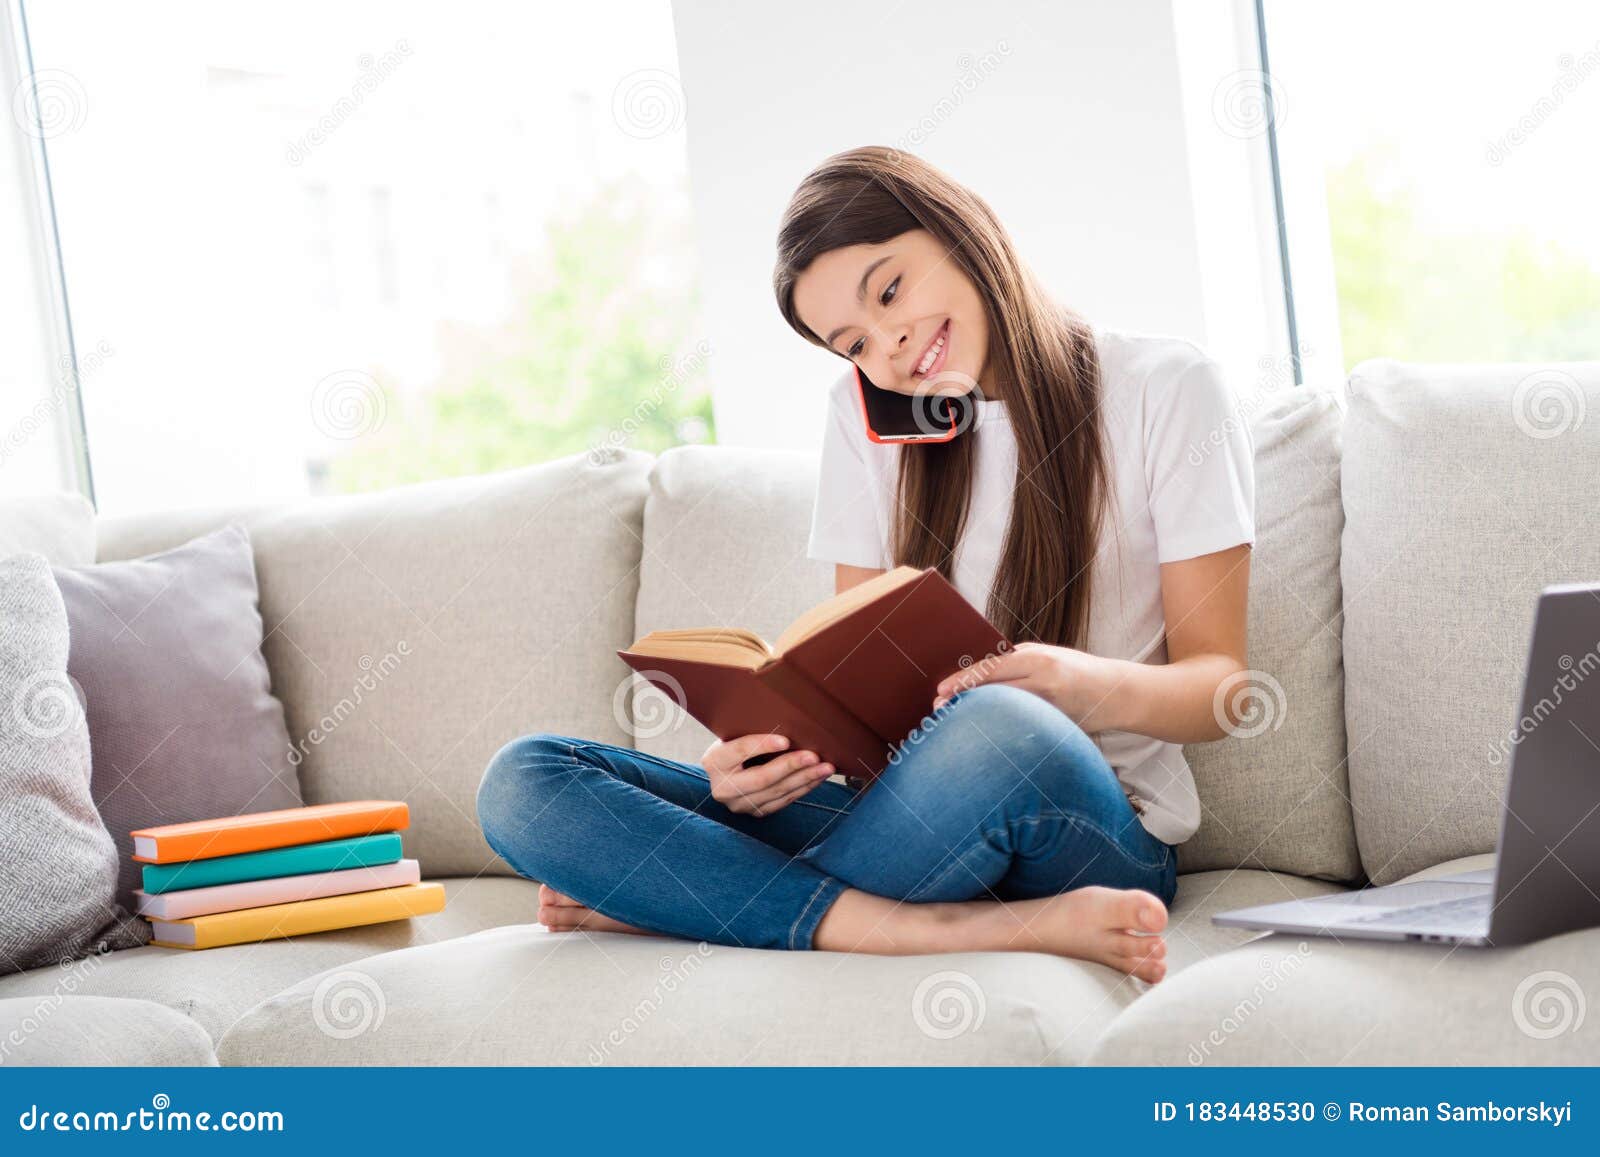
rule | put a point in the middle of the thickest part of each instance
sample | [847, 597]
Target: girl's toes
[1148, 963]
[557, 918]
[1133, 947]
[1144, 957]
[1151, 971]
[1140, 911]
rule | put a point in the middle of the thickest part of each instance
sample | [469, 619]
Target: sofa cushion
[724, 545]
[1478, 863]
[1257, 1005]
[182, 719]
[411, 633]
[1275, 794]
[1281, 1000]
[527, 996]
[1466, 490]
[98, 1030]
[1192, 937]
[58, 526]
[216, 985]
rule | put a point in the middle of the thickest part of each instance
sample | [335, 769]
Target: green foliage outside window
[1412, 290]
[598, 351]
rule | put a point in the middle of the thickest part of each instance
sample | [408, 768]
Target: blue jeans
[1000, 797]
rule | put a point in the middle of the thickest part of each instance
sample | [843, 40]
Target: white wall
[1066, 117]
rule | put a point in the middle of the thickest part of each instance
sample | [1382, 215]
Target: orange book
[260, 831]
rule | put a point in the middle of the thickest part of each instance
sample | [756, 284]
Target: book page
[723, 646]
[843, 604]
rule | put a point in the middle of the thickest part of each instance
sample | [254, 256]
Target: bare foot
[561, 913]
[1119, 928]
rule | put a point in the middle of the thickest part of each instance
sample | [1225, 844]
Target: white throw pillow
[58, 866]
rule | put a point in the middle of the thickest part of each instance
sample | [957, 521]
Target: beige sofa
[1407, 521]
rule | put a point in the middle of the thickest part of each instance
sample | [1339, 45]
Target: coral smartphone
[896, 418]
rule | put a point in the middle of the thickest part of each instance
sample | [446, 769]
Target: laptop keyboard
[1468, 911]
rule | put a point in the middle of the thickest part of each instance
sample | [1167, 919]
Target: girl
[1100, 507]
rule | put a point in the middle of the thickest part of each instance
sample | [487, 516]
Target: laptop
[1546, 877]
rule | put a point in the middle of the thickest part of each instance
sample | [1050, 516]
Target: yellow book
[249, 925]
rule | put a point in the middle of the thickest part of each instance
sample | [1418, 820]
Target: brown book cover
[849, 679]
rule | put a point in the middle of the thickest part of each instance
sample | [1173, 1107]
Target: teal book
[326, 856]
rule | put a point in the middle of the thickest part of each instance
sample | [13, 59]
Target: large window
[317, 247]
[1439, 173]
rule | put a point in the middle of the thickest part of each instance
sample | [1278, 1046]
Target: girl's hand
[764, 789]
[1076, 682]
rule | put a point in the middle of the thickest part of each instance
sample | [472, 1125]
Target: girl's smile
[933, 358]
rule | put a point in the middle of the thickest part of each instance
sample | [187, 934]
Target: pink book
[279, 890]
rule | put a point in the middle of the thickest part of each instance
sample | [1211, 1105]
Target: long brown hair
[1042, 353]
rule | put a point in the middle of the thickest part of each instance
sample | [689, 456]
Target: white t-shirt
[1182, 485]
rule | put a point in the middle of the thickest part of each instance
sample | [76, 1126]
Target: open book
[849, 679]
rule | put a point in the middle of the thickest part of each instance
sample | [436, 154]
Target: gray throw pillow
[182, 717]
[58, 865]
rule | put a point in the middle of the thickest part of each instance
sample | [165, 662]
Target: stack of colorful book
[241, 879]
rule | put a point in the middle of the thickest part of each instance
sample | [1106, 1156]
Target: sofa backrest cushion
[412, 632]
[725, 539]
[725, 532]
[1275, 794]
[1466, 490]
